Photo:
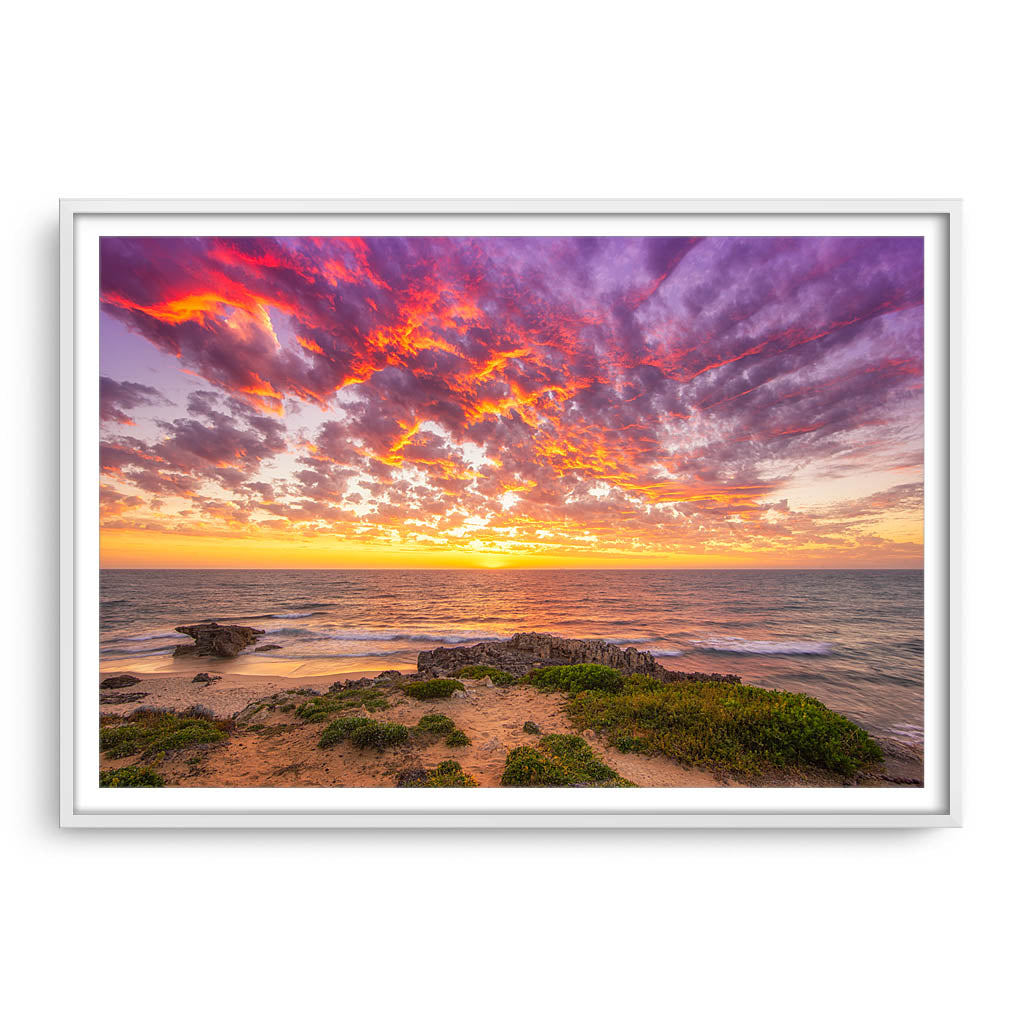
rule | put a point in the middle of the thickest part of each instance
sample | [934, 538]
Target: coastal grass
[132, 775]
[447, 775]
[364, 733]
[498, 676]
[457, 738]
[152, 732]
[724, 725]
[429, 689]
[559, 760]
[319, 709]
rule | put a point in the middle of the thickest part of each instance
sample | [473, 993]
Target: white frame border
[71, 817]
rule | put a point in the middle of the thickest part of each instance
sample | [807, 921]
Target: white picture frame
[83, 805]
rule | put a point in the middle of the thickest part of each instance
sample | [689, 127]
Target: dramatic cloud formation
[520, 400]
[117, 398]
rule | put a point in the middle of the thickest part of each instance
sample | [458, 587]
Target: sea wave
[121, 646]
[907, 731]
[439, 638]
[738, 645]
[290, 654]
[138, 638]
[664, 652]
[385, 636]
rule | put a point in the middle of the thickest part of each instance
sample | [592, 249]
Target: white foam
[738, 645]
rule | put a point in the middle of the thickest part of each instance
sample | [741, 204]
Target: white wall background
[779, 99]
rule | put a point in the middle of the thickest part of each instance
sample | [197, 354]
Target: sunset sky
[585, 401]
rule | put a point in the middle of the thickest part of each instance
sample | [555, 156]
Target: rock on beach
[214, 640]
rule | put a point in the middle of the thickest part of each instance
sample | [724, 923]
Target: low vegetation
[457, 738]
[319, 709]
[150, 732]
[559, 760]
[442, 725]
[532, 728]
[724, 725]
[497, 675]
[428, 689]
[364, 733]
[133, 775]
[575, 678]
[447, 775]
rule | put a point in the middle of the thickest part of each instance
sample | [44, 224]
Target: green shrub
[632, 745]
[340, 729]
[426, 689]
[319, 709]
[532, 728]
[148, 732]
[498, 676]
[527, 766]
[133, 775]
[364, 733]
[121, 740]
[191, 735]
[440, 724]
[576, 678]
[447, 775]
[559, 760]
[379, 735]
[726, 725]
[457, 738]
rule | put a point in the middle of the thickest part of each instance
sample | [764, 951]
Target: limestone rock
[122, 698]
[537, 650]
[213, 639]
[117, 682]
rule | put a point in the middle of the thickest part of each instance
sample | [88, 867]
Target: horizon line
[513, 568]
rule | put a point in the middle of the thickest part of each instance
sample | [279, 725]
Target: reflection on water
[852, 638]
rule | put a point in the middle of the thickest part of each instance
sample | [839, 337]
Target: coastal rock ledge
[526, 651]
[214, 640]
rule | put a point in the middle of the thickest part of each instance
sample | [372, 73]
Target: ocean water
[854, 639]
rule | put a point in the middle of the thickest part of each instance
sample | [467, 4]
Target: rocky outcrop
[214, 640]
[117, 682]
[268, 647]
[132, 697]
[258, 710]
[204, 677]
[526, 651]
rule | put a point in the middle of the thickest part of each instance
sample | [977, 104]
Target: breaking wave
[737, 645]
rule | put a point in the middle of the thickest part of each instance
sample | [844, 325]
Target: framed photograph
[509, 514]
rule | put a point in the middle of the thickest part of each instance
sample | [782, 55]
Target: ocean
[853, 639]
